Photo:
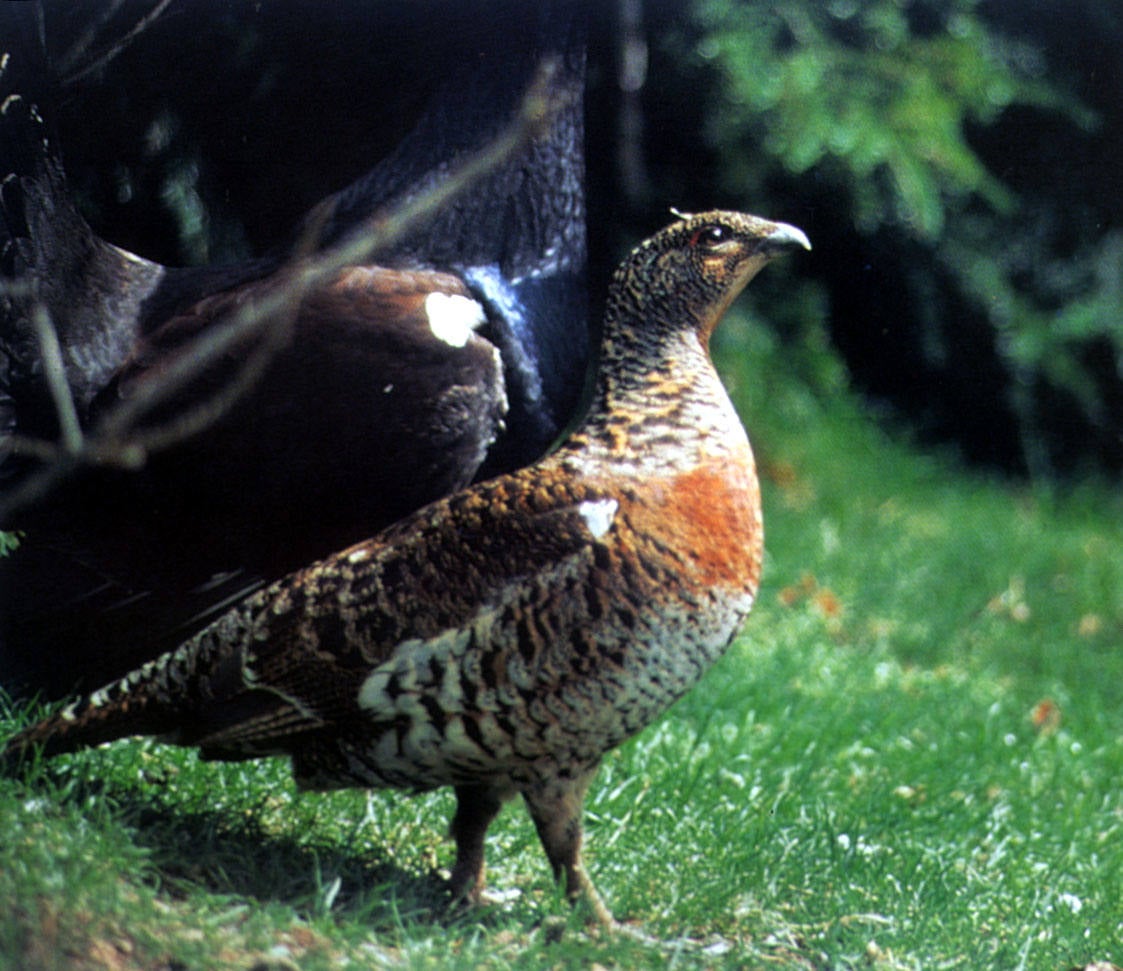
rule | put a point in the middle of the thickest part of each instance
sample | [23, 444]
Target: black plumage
[362, 415]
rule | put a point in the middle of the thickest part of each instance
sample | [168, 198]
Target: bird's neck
[658, 407]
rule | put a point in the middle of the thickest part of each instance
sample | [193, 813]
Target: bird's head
[694, 268]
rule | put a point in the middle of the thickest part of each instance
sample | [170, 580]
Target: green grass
[913, 758]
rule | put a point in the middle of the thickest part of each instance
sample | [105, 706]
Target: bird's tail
[138, 704]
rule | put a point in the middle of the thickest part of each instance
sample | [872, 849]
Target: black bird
[460, 353]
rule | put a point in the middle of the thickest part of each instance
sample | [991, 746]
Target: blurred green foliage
[916, 122]
[878, 94]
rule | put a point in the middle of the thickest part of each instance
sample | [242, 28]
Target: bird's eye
[709, 235]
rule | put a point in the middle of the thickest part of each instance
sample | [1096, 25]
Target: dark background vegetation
[956, 164]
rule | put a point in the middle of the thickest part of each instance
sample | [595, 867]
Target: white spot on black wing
[452, 317]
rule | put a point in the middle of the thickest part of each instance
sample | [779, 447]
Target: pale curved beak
[783, 239]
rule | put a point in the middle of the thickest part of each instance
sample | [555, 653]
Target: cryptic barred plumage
[503, 639]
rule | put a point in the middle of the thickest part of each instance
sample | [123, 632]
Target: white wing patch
[452, 317]
[598, 515]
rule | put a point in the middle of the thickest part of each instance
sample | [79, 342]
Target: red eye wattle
[710, 235]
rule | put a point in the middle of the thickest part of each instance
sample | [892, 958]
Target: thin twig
[116, 48]
[16, 288]
[281, 326]
[50, 452]
[86, 39]
[54, 372]
[375, 234]
[117, 440]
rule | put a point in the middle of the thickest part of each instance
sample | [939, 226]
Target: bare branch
[114, 49]
[118, 440]
[54, 371]
[17, 288]
[276, 335]
[86, 39]
[91, 453]
[377, 233]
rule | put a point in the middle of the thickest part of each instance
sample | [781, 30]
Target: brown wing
[287, 666]
[366, 414]
[318, 634]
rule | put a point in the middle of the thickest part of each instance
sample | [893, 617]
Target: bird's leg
[476, 808]
[556, 807]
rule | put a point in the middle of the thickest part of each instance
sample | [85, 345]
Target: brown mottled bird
[503, 639]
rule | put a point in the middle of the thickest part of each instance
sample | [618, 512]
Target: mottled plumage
[503, 639]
